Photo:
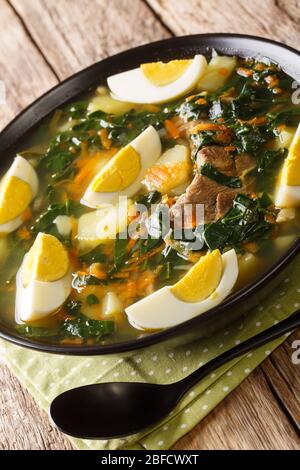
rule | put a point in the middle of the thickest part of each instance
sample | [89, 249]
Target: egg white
[133, 85]
[148, 146]
[39, 299]
[163, 310]
[21, 169]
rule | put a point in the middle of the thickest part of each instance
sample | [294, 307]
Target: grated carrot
[208, 126]
[27, 214]
[24, 233]
[172, 129]
[105, 140]
[201, 101]
[244, 72]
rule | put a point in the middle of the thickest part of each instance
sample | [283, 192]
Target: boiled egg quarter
[44, 280]
[172, 170]
[206, 285]
[288, 194]
[123, 174]
[157, 82]
[17, 189]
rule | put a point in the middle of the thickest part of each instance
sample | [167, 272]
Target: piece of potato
[218, 71]
[111, 304]
[109, 105]
[171, 170]
[101, 226]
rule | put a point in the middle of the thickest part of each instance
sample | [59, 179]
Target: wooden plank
[23, 424]
[277, 19]
[283, 378]
[71, 34]
[75, 33]
[23, 70]
[249, 418]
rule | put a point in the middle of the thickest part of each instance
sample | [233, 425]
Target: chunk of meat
[216, 198]
[219, 158]
[244, 163]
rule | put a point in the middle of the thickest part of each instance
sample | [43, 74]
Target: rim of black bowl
[23, 124]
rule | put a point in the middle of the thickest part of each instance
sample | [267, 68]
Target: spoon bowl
[94, 410]
[117, 409]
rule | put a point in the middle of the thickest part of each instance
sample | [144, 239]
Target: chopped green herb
[86, 328]
[243, 223]
[92, 299]
[211, 172]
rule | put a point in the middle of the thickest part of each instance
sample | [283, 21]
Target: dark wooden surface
[44, 41]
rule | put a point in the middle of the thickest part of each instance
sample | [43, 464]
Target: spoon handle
[264, 337]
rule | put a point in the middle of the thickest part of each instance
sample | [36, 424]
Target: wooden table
[44, 41]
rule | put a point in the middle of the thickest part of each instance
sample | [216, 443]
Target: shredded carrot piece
[256, 121]
[208, 126]
[130, 245]
[190, 98]
[27, 214]
[244, 72]
[172, 130]
[277, 90]
[105, 140]
[270, 218]
[24, 233]
[201, 101]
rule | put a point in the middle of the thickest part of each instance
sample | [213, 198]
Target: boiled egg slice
[157, 82]
[172, 170]
[123, 174]
[44, 280]
[288, 193]
[206, 285]
[17, 189]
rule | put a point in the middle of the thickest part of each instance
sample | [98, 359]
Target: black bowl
[13, 136]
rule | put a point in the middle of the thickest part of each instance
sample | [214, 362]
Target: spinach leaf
[243, 223]
[45, 221]
[73, 307]
[211, 172]
[119, 253]
[92, 299]
[249, 138]
[83, 280]
[269, 161]
[94, 256]
[36, 331]
[77, 110]
[86, 328]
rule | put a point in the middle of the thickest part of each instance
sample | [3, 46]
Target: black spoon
[116, 409]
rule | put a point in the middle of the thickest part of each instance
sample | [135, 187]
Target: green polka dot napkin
[46, 375]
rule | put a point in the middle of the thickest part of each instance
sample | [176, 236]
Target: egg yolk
[291, 167]
[46, 261]
[15, 196]
[119, 173]
[201, 280]
[160, 73]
